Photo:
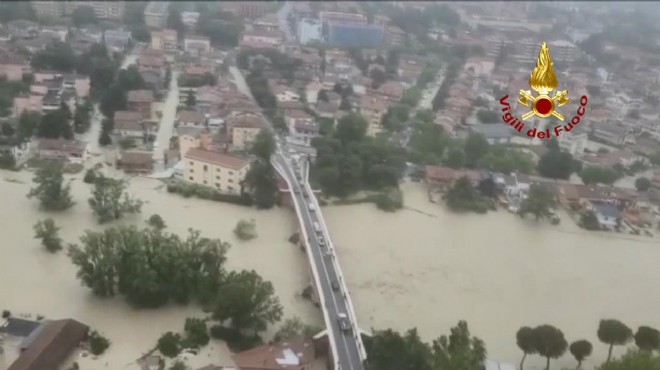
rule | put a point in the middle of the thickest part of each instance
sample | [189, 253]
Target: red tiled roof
[217, 158]
[268, 357]
[141, 96]
[191, 116]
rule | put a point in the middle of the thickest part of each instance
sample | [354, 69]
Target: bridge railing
[335, 263]
[317, 280]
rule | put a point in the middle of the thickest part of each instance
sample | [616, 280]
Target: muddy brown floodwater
[429, 268]
[36, 282]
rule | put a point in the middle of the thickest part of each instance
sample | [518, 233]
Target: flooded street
[496, 271]
[38, 282]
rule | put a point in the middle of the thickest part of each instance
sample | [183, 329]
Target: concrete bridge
[346, 349]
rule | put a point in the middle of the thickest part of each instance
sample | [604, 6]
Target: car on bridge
[344, 324]
[335, 285]
[321, 241]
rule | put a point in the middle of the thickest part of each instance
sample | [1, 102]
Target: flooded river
[37, 282]
[496, 271]
[420, 267]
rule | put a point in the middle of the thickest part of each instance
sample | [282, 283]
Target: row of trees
[549, 342]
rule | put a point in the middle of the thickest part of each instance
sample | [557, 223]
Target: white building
[189, 19]
[155, 14]
[574, 142]
[309, 30]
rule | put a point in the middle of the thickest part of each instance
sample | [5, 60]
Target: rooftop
[282, 355]
[141, 96]
[217, 158]
[606, 209]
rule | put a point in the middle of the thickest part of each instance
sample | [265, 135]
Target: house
[130, 124]
[61, 149]
[190, 19]
[22, 103]
[17, 327]
[136, 161]
[222, 171]
[82, 43]
[608, 215]
[156, 13]
[325, 110]
[13, 66]
[152, 59]
[576, 142]
[284, 93]
[190, 118]
[243, 129]
[48, 346]
[494, 133]
[479, 66]
[16, 149]
[192, 137]
[55, 32]
[153, 80]
[301, 133]
[195, 44]
[261, 37]
[293, 116]
[23, 29]
[165, 40]
[141, 101]
[612, 133]
[440, 179]
[292, 354]
[117, 40]
[268, 22]
[312, 92]
[373, 108]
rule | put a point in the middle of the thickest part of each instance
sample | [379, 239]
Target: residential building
[113, 10]
[284, 93]
[494, 133]
[49, 345]
[55, 32]
[193, 137]
[155, 14]
[13, 66]
[373, 109]
[153, 80]
[61, 149]
[22, 103]
[355, 35]
[48, 9]
[195, 44]
[574, 142]
[222, 171]
[267, 22]
[612, 133]
[608, 214]
[349, 18]
[309, 30]
[141, 101]
[243, 129]
[23, 29]
[440, 179]
[312, 92]
[17, 149]
[248, 9]
[292, 354]
[133, 161]
[130, 124]
[165, 40]
[479, 66]
[260, 37]
[190, 118]
[394, 36]
[117, 40]
[189, 19]
[301, 133]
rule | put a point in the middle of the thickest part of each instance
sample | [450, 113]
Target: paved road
[347, 346]
[348, 351]
[166, 125]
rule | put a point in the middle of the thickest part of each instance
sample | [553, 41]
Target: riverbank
[497, 271]
[38, 282]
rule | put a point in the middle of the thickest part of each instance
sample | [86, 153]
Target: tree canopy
[539, 202]
[50, 189]
[613, 332]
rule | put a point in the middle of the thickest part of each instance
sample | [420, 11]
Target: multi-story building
[196, 44]
[102, 9]
[352, 18]
[165, 40]
[373, 109]
[309, 30]
[243, 130]
[355, 34]
[141, 101]
[155, 14]
[189, 19]
[48, 9]
[222, 171]
[269, 22]
[117, 40]
[574, 142]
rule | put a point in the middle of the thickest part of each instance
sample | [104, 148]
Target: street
[166, 124]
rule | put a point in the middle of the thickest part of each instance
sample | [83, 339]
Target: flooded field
[37, 282]
[430, 268]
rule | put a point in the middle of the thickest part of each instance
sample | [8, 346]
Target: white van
[310, 206]
[317, 227]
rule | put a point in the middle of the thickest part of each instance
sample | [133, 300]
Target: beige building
[373, 109]
[222, 171]
[102, 9]
[165, 40]
[243, 129]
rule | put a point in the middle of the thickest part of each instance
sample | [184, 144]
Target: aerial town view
[329, 185]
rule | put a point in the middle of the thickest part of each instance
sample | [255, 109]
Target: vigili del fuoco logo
[543, 80]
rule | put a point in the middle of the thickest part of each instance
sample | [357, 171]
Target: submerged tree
[647, 338]
[460, 350]
[549, 343]
[109, 201]
[47, 231]
[51, 191]
[539, 202]
[156, 222]
[293, 327]
[246, 229]
[247, 302]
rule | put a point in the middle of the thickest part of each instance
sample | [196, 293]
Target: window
[217, 184]
[191, 170]
[191, 163]
[190, 178]
[217, 177]
[205, 182]
[206, 168]
[230, 188]
[231, 172]
[230, 180]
